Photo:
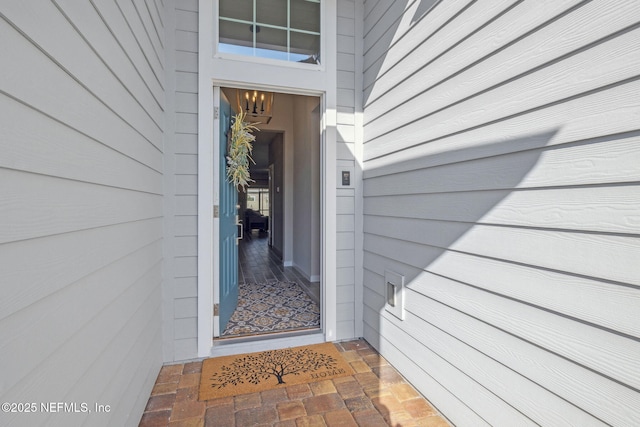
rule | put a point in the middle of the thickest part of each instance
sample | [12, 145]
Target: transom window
[280, 29]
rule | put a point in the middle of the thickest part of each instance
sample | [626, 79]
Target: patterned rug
[272, 307]
[253, 372]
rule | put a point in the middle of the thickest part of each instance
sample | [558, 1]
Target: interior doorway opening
[279, 254]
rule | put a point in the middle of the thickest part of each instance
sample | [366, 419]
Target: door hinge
[216, 309]
[216, 112]
[216, 211]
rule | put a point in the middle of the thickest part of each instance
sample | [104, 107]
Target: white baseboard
[312, 278]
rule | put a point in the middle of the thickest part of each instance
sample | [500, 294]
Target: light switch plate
[394, 293]
[346, 178]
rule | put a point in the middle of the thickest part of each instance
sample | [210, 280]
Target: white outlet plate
[394, 293]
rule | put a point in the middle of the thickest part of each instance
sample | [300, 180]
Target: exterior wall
[346, 160]
[501, 179]
[181, 195]
[81, 137]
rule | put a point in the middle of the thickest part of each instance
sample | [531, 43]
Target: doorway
[279, 255]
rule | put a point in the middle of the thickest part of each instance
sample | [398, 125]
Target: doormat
[266, 370]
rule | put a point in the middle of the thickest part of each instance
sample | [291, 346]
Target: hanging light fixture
[257, 105]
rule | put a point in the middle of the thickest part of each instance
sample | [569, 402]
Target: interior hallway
[259, 264]
[286, 307]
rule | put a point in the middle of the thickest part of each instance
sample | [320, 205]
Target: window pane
[271, 36]
[264, 203]
[258, 200]
[305, 15]
[237, 9]
[253, 201]
[236, 33]
[238, 50]
[273, 12]
[306, 44]
[272, 43]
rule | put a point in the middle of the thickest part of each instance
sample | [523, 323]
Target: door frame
[271, 221]
[276, 76]
[209, 231]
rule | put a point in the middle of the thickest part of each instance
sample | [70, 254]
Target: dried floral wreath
[239, 152]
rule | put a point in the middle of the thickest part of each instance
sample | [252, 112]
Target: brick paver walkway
[376, 395]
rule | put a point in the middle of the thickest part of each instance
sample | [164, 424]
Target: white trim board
[229, 347]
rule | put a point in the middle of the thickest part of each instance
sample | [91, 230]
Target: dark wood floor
[257, 263]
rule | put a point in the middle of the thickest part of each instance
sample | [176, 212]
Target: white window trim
[279, 76]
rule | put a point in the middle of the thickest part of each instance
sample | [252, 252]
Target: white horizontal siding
[382, 41]
[611, 208]
[44, 205]
[501, 179]
[120, 29]
[148, 43]
[345, 202]
[68, 154]
[88, 114]
[181, 190]
[81, 125]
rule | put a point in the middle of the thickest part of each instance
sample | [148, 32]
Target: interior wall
[282, 121]
[306, 183]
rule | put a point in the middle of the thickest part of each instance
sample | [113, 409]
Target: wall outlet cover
[394, 289]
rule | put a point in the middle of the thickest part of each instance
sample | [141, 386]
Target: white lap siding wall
[501, 179]
[181, 220]
[349, 309]
[81, 166]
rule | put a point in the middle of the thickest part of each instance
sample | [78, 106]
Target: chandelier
[257, 105]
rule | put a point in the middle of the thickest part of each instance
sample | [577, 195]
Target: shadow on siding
[416, 211]
[384, 42]
[423, 7]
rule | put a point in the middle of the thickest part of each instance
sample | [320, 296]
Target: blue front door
[228, 229]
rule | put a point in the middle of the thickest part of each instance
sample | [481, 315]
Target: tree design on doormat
[274, 363]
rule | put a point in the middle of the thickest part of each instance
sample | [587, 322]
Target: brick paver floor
[376, 395]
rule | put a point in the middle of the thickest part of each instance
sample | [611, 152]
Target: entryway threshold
[264, 342]
[268, 335]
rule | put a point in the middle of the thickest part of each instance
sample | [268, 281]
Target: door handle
[239, 223]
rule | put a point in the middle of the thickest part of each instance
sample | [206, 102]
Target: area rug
[272, 307]
[253, 372]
